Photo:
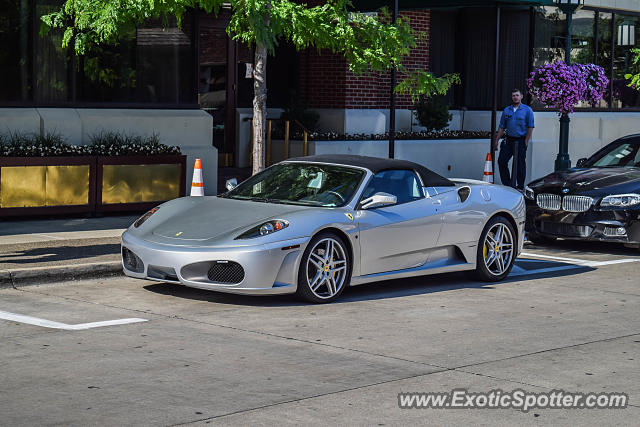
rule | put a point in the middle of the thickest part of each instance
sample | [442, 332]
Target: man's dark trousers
[506, 152]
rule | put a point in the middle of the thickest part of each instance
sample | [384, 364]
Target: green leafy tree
[634, 79]
[368, 43]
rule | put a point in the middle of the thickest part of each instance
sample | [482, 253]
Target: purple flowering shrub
[561, 86]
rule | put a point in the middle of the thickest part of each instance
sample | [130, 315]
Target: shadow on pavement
[48, 225]
[21, 257]
[373, 291]
[582, 247]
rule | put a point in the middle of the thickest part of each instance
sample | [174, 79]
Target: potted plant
[115, 172]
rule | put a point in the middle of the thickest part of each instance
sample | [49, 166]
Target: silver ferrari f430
[315, 225]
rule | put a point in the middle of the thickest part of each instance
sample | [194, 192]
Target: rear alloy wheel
[496, 250]
[325, 269]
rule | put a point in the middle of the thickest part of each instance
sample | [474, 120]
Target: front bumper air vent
[131, 261]
[228, 272]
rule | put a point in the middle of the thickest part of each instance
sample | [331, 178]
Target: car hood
[215, 216]
[583, 180]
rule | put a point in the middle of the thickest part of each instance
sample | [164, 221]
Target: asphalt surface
[47, 250]
[567, 318]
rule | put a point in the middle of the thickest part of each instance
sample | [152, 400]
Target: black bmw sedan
[599, 199]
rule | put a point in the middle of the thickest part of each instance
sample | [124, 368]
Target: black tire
[307, 271]
[493, 273]
[539, 239]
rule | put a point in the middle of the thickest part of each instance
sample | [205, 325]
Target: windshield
[301, 183]
[626, 155]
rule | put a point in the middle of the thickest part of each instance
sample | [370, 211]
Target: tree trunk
[259, 107]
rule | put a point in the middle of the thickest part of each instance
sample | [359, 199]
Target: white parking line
[552, 257]
[570, 264]
[582, 262]
[57, 325]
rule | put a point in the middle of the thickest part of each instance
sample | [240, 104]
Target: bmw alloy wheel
[498, 249]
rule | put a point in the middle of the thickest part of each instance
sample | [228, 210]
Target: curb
[14, 278]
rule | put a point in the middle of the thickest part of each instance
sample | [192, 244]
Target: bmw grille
[576, 203]
[554, 202]
[549, 201]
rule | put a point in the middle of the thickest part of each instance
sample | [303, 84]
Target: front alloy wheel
[496, 250]
[325, 269]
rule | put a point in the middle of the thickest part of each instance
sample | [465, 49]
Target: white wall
[630, 5]
[588, 131]
[191, 130]
[361, 120]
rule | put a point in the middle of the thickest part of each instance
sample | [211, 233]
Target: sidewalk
[52, 250]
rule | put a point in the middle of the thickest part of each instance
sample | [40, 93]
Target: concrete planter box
[88, 184]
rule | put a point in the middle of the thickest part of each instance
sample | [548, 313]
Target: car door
[399, 236]
[461, 219]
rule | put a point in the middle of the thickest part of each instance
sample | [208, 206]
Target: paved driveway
[568, 318]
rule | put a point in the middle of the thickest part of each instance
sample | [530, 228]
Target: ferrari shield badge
[349, 215]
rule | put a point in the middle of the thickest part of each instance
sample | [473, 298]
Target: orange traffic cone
[197, 187]
[488, 170]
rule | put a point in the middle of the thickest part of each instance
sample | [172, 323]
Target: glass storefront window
[583, 37]
[627, 33]
[52, 77]
[164, 64]
[583, 41]
[15, 60]
[603, 55]
[108, 73]
[152, 64]
[548, 45]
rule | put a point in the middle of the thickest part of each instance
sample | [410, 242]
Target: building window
[627, 33]
[15, 57]
[149, 65]
[600, 37]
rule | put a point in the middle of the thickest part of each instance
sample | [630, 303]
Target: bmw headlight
[145, 217]
[264, 229]
[528, 193]
[620, 200]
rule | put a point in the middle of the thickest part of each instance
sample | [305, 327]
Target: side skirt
[442, 265]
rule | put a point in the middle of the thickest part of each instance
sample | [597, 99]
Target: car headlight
[620, 200]
[145, 217]
[264, 229]
[528, 193]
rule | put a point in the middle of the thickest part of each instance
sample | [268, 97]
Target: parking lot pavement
[201, 357]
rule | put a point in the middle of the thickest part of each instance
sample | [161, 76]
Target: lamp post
[626, 39]
[568, 7]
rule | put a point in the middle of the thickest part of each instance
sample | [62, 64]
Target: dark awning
[370, 5]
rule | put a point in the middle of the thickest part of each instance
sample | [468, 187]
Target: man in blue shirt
[517, 121]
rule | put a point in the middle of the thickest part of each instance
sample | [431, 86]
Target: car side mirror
[231, 184]
[379, 199]
[580, 163]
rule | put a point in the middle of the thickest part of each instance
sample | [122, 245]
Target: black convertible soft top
[378, 164]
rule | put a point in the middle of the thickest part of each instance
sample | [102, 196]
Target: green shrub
[119, 144]
[17, 144]
[432, 113]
